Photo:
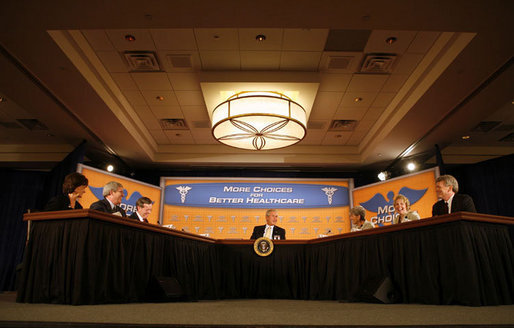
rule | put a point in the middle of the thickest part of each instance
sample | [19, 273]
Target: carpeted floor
[250, 313]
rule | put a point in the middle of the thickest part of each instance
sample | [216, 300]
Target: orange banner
[133, 191]
[219, 222]
[378, 198]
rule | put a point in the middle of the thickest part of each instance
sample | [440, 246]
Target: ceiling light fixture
[465, 137]
[411, 166]
[382, 176]
[130, 38]
[110, 168]
[260, 37]
[259, 120]
[160, 98]
[391, 40]
[357, 99]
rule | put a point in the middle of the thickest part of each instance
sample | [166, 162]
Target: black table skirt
[89, 261]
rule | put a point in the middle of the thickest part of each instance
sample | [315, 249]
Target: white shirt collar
[112, 204]
[449, 202]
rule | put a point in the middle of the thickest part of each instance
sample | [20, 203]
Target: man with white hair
[113, 193]
[446, 189]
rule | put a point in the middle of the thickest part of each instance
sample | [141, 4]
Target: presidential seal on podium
[263, 246]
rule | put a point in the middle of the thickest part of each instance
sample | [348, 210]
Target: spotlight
[383, 175]
[411, 166]
[110, 168]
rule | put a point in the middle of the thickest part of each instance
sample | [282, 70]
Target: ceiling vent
[10, 125]
[173, 124]
[378, 63]
[508, 138]
[343, 125]
[142, 61]
[180, 61]
[485, 126]
[32, 124]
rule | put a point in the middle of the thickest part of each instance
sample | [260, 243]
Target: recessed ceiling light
[130, 38]
[411, 166]
[260, 37]
[391, 40]
[465, 137]
[216, 37]
[110, 168]
[357, 99]
[160, 98]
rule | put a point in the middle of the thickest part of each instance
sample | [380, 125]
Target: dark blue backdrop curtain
[489, 183]
[23, 190]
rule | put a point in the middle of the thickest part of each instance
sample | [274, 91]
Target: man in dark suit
[143, 209]
[446, 189]
[113, 193]
[269, 230]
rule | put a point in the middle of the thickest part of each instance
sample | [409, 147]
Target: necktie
[267, 233]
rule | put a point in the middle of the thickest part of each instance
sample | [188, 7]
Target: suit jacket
[365, 226]
[135, 217]
[410, 216]
[103, 205]
[60, 203]
[258, 232]
[460, 203]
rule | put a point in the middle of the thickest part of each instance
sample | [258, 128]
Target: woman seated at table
[73, 188]
[358, 219]
[402, 210]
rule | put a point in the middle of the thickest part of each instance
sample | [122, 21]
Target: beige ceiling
[68, 68]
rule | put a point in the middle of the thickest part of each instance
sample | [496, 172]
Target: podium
[88, 257]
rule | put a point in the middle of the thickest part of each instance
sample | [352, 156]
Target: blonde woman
[402, 210]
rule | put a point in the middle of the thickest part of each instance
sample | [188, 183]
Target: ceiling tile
[203, 137]
[151, 97]
[98, 40]
[325, 105]
[383, 99]
[217, 38]
[367, 82]
[349, 98]
[112, 61]
[219, 60]
[135, 98]
[334, 82]
[167, 111]
[356, 138]
[304, 39]
[261, 60]
[301, 61]
[184, 81]
[190, 98]
[124, 81]
[336, 138]
[146, 115]
[179, 137]
[143, 40]
[347, 40]
[395, 82]
[373, 113]
[273, 41]
[407, 63]
[151, 81]
[313, 137]
[377, 41]
[174, 39]
[350, 113]
[195, 113]
[159, 137]
[365, 125]
[423, 42]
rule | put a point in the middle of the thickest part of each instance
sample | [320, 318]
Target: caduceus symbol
[183, 192]
[329, 192]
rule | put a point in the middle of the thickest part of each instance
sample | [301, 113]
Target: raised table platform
[89, 257]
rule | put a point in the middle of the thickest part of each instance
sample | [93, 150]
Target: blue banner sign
[256, 195]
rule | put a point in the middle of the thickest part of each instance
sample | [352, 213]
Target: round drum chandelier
[259, 121]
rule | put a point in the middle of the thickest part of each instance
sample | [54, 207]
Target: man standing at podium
[113, 193]
[269, 230]
[446, 189]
